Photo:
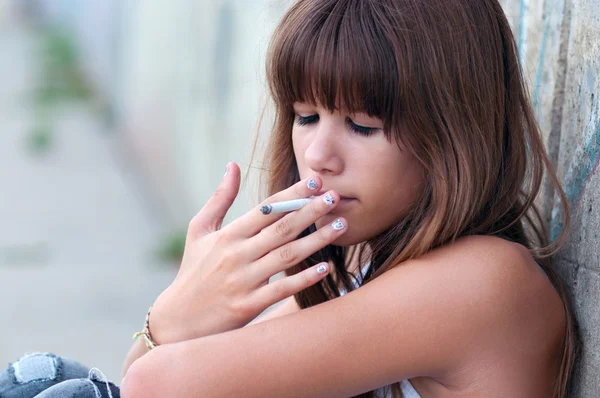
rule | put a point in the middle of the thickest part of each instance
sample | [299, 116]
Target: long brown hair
[444, 77]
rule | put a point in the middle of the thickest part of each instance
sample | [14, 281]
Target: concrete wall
[559, 42]
[192, 88]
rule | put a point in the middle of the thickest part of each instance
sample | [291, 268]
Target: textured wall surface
[559, 46]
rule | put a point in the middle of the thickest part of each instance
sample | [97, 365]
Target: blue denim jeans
[45, 375]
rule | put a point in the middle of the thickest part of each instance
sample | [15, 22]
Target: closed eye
[362, 130]
[303, 120]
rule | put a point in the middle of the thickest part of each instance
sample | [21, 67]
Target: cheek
[382, 175]
[389, 190]
[398, 183]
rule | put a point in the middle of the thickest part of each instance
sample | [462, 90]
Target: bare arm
[286, 306]
[458, 309]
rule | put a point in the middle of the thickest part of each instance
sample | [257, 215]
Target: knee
[37, 371]
[46, 366]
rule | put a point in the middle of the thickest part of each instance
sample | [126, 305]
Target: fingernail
[321, 269]
[312, 184]
[338, 225]
[226, 170]
[328, 199]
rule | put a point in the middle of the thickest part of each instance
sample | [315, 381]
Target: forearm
[138, 349]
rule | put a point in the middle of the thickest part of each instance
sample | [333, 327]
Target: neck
[352, 264]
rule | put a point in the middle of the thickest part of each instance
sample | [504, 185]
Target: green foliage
[40, 139]
[60, 80]
[61, 75]
[172, 247]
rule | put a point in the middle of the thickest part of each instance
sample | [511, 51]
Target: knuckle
[221, 264]
[306, 279]
[287, 255]
[315, 210]
[324, 235]
[223, 237]
[222, 194]
[229, 257]
[239, 308]
[283, 228]
[299, 189]
[280, 290]
[271, 199]
[267, 201]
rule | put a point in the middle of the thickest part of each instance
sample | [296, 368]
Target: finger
[289, 227]
[292, 253]
[210, 218]
[255, 221]
[289, 285]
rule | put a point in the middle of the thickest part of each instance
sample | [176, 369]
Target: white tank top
[407, 389]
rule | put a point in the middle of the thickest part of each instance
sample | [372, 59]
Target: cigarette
[283, 207]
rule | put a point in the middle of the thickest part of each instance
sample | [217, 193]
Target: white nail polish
[338, 225]
[328, 199]
[312, 184]
[321, 269]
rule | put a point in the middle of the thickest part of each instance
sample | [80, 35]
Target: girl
[413, 273]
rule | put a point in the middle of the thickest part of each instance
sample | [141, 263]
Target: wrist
[145, 333]
[170, 323]
[165, 328]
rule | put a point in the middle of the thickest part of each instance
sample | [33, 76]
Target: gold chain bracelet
[146, 332]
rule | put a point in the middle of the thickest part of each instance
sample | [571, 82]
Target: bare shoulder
[503, 271]
[505, 267]
[510, 293]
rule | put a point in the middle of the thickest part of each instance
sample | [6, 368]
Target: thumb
[210, 218]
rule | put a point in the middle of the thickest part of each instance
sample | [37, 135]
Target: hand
[223, 281]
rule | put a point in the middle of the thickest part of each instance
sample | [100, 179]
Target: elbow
[135, 383]
[146, 377]
[130, 386]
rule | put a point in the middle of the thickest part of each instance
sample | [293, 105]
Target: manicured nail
[338, 225]
[321, 269]
[312, 184]
[328, 199]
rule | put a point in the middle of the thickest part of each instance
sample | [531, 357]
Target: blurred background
[117, 119]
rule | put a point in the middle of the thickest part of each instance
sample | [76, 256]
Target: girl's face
[377, 180]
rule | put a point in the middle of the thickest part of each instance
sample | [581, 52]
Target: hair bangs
[336, 55]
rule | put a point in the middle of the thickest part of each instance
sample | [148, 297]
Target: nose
[323, 154]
